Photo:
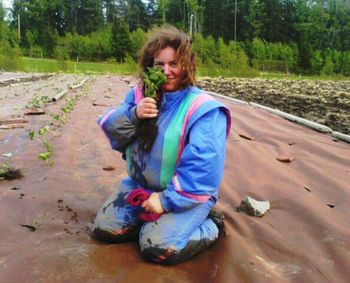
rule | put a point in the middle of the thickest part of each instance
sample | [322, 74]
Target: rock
[7, 155]
[254, 207]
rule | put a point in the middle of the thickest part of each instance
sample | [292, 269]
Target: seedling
[38, 102]
[58, 118]
[69, 105]
[46, 155]
[153, 79]
[43, 130]
[31, 135]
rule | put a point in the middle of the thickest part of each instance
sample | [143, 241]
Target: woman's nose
[166, 69]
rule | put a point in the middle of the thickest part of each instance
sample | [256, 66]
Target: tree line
[275, 35]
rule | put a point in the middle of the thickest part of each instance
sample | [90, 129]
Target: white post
[191, 20]
[19, 26]
[235, 20]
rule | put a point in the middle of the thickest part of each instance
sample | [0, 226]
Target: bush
[10, 58]
[138, 39]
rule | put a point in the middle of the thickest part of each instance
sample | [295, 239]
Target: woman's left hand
[152, 204]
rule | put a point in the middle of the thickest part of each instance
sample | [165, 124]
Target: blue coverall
[187, 197]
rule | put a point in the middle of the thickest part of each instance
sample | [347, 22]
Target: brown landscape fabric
[45, 217]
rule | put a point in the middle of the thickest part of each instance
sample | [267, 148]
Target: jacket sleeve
[200, 170]
[120, 124]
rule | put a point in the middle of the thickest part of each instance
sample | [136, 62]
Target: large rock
[254, 207]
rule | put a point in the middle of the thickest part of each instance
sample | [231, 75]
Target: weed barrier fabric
[304, 237]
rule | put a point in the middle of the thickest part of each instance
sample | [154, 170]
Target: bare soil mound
[324, 102]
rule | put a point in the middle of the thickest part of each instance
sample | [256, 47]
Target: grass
[54, 66]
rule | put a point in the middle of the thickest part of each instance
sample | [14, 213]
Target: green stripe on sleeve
[172, 139]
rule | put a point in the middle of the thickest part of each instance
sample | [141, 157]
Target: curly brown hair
[169, 36]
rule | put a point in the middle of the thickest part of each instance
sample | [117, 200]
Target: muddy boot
[217, 217]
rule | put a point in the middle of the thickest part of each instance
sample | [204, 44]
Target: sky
[6, 3]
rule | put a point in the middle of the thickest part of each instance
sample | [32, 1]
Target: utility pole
[191, 20]
[235, 20]
[19, 26]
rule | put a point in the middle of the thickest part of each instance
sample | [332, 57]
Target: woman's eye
[174, 64]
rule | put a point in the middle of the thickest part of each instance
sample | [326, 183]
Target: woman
[181, 171]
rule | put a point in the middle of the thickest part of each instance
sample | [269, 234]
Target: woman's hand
[152, 204]
[147, 108]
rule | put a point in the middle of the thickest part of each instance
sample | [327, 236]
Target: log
[59, 95]
[10, 127]
[13, 121]
[34, 111]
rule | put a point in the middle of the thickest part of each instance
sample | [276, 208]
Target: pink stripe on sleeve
[200, 198]
[138, 94]
[228, 125]
[176, 183]
[178, 189]
[194, 106]
[109, 113]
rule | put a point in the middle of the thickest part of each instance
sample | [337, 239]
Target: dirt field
[45, 217]
[324, 102]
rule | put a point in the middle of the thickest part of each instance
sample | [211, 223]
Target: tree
[345, 63]
[258, 53]
[328, 66]
[138, 39]
[252, 20]
[316, 62]
[121, 43]
[2, 22]
[136, 15]
[31, 37]
[9, 53]
[90, 16]
[272, 21]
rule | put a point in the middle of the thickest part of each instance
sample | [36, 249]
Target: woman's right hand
[146, 108]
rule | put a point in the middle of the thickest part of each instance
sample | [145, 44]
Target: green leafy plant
[68, 106]
[42, 131]
[153, 78]
[61, 118]
[32, 135]
[46, 155]
[38, 102]
[58, 118]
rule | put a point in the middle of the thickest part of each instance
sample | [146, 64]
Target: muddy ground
[324, 102]
[46, 217]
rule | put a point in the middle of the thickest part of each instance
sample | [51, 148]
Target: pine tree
[121, 43]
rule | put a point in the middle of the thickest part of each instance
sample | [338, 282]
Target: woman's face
[167, 61]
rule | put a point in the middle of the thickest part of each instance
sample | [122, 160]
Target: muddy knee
[107, 229]
[125, 234]
[153, 248]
